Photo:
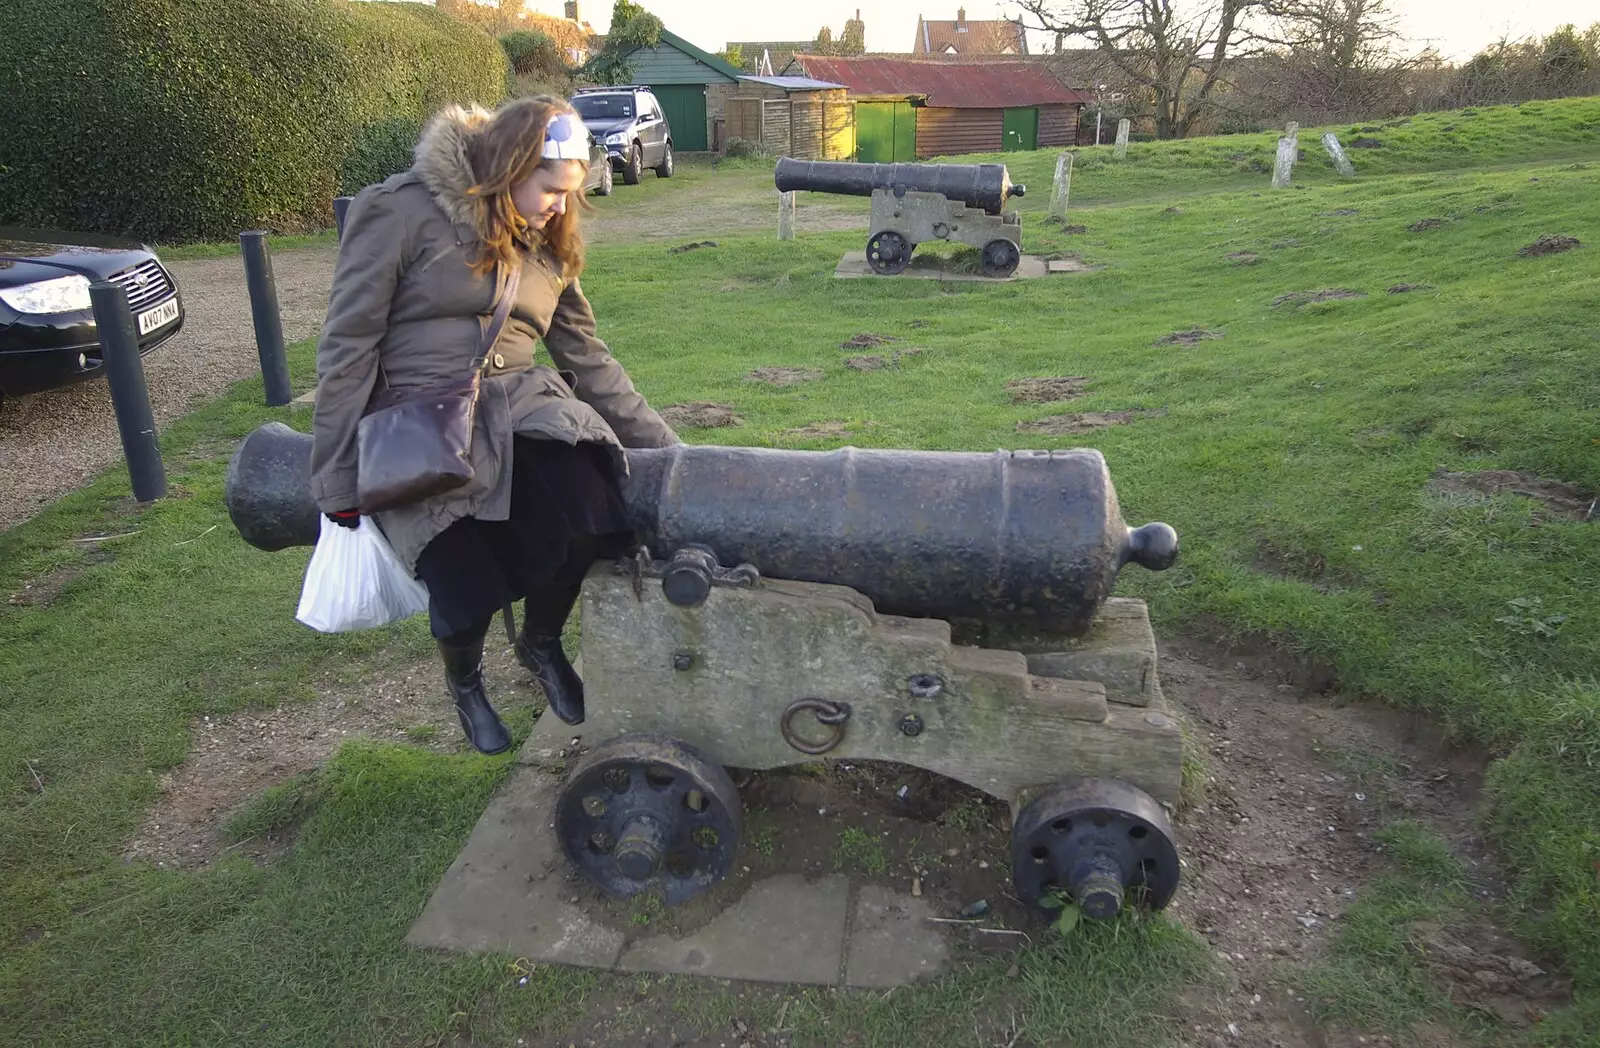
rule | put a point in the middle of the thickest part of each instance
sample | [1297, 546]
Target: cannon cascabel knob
[1154, 546]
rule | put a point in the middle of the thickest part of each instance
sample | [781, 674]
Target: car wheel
[665, 170]
[604, 188]
[633, 170]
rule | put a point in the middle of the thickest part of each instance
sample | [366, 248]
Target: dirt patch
[237, 757]
[1343, 212]
[1282, 844]
[42, 591]
[696, 246]
[1425, 223]
[1404, 289]
[1046, 390]
[1243, 258]
[877, 363]
[867, 341]
[1487, 972]
[1306, 298]
[1075, 229]
[1549, 245]
[1079, 422]
[831, 429]
[1558, 501]
[1365, 143]
[784, 376]
[701, 414]
[1173, 211]
[1192, 337]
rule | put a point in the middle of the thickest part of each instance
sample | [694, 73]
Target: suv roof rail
[614, 87]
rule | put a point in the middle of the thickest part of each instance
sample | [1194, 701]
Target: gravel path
[56, 442]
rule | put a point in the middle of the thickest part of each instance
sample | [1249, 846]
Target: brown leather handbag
[415, 444]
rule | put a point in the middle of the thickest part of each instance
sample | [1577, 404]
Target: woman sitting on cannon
[450, 273]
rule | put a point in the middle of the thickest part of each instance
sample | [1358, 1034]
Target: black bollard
[269, 325]
[341, 207]
[130, 397]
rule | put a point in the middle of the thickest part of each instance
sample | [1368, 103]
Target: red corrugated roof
[989, 84]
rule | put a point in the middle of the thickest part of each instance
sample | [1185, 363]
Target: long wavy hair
[503, 153]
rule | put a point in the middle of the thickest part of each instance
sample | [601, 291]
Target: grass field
[1293, 453]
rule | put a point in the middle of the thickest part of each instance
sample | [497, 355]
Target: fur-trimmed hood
[441, 160]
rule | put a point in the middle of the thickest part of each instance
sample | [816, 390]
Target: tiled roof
[968, 37]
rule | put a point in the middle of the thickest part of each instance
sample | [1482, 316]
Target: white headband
[565, 139]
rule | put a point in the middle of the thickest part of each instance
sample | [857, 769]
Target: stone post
[786, 216]
[1283, 170]
[1123, 126]
[1063, 185]
[1330, 142]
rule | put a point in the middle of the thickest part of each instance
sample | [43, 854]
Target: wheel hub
[1096, 842]
[645, 813]
[888, 252]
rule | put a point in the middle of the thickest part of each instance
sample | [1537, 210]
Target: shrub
[173, 120]
[538, 66]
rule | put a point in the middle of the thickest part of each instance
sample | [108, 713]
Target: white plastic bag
[355, 582]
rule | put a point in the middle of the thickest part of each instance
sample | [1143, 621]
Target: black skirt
[566, 511]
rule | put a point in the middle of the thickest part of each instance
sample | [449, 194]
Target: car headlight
[616, 138]
[57, 295]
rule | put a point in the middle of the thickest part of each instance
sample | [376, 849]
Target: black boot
[463, 670]
[543, 657]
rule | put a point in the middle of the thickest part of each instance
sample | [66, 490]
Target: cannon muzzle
[983, 186]
[1025, 536]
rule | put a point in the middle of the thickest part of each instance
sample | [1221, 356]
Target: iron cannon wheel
[650, 813]
[888, 253]
[1000, 258]
[1097, 842]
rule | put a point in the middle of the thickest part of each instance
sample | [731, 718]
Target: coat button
[499, 360]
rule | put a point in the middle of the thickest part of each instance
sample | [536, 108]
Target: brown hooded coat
[408, 310]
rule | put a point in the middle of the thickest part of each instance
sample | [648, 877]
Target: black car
[630, 122]
[599, 178]
[47, 329]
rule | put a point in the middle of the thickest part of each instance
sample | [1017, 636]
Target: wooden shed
[687, 82]
[915, 109]
[794, 116]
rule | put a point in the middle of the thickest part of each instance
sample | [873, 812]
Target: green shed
[692, 84]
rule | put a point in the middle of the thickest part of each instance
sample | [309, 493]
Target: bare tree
[1336, 58]
[1176, 52]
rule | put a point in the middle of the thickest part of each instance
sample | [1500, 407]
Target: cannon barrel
[984, 186]
[1030, 536]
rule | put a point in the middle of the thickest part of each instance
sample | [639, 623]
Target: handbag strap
[491, 335]
[502, 310]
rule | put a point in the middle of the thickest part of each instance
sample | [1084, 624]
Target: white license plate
[160, 316]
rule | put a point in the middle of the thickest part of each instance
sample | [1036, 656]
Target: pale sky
[1457, 28]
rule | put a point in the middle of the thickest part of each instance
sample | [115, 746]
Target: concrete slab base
[512, 890]
[929, 267]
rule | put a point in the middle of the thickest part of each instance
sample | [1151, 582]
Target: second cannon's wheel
[888, 253]
[649, 813]
[1000, 258]
[1096, 842]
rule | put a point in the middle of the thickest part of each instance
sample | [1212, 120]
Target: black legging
[546, 609]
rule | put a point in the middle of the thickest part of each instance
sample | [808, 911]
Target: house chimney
[572, 10]
[961, 19]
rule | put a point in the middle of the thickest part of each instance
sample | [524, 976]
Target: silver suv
[629, 121]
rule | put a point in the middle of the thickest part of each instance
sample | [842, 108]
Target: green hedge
[176, 120]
